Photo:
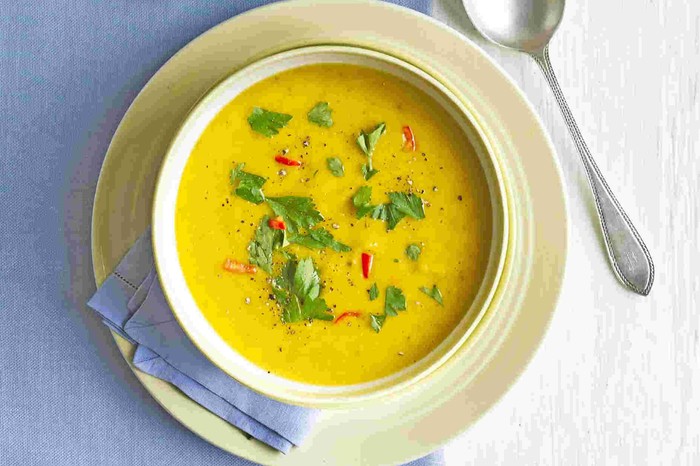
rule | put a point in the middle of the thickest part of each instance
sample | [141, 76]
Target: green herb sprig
[402, 205]
[433, 292]
[368, 142]
[247, 185]
[297, 289]
[266, 122]
[413, 251]
[394, 301]
[336, 167]
[321, 115]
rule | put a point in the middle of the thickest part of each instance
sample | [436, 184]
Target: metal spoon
[528, 26]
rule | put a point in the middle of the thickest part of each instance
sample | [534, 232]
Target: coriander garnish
[264, 243]
[362, 197]
[298, 212]
[433, 293]
[368, 142]
[377, 321]
[318, 238]
[297, 291]
[401, 205]
[394, 300]
[367, 170]
[413, 251]
[408, 204]
[249, 185]
[335, 165]
[321, 115]
[266, 122]
[373, 292]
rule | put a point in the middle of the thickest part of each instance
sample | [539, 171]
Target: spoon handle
[629, 256]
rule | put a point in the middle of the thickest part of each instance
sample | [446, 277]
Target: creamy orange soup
[431, 263]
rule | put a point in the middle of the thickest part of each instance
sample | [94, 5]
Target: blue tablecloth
[68, 71]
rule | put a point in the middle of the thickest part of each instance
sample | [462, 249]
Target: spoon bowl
[525, 25]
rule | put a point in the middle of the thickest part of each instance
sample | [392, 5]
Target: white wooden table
[617, 378]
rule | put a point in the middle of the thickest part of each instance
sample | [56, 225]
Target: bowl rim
[335, 397]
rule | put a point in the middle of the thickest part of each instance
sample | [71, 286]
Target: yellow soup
[443, 173]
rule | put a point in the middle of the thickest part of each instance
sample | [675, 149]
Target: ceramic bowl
[184, 307]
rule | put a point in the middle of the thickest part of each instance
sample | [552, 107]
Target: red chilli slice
[347, 314]
[233, 266]
[287, 161]
[277, 223]
[409, 140]
[367, 261]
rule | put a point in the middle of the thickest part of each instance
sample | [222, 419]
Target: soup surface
[424, 248]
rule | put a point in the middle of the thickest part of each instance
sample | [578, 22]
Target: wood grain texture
[617, 378]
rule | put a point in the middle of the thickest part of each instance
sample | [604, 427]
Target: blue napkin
[132, 303]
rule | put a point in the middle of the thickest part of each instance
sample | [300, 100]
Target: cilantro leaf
[316, 309]
[394, 300]
[368, 141]
[367, 171]
[291, 311]
[361, 201]
[387, 212]
[365, 210]
[288, 271]
[401, 205]
[318, 238]
[249, 185]
[413, 251]
[264, 243]
[362, 196]
[335, 165]
[266, 122]
[392, 215]
[373, 292]
[298, 212]
[282, 289]
[283, 282]
[377, 321]
[307, 283]
[321, 115]
[379, 212]
[433, 293]
[297, 290]
[288, 255]
[408, 204]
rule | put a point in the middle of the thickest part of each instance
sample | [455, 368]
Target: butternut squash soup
[333, 224]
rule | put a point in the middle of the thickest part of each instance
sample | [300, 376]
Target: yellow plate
[455, 396]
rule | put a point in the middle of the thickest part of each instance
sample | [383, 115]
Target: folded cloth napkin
[131, 302]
